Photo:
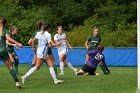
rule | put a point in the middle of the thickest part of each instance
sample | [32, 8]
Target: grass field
[121, 80]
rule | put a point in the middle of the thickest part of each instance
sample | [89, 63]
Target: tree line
[116, 19]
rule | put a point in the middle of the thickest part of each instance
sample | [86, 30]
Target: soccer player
[39, 25]
[95, 56]
[49, 52]
[44, 41]
[91, 43]
[10, 48]
[4, 35]
[63, 49]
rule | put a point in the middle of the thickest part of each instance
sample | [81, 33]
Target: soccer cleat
[58, 81]
[23, 79]
[61, 73]
[86, 74]
[97, 74]
[18, 85]
[76, 71]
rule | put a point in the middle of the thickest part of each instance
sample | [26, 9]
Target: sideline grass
[121, 80]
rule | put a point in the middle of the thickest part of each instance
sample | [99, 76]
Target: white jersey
[58, 38]
[43, 40]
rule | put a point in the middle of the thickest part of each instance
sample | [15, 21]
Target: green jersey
[3, 40]
[33, 35]
[9, 47]
[93, 42]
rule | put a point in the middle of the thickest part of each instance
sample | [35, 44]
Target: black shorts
[89, 69]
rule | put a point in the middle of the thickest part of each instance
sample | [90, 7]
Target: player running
[10, 48]
[39, 25]
[44, 41]
[63, 49]
[49, 52]
[4, 35]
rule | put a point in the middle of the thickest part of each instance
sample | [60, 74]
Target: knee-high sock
[32, 65]
[61, 66]
[13, 74]
[52, 72]
[31, 71]
[71, 67]
[16, 63]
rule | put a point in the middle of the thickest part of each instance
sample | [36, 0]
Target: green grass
[121, 80]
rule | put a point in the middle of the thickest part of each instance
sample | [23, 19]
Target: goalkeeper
[95, 57]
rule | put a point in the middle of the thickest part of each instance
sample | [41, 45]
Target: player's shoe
[58, 81]
[76, 71]
[86, 74]
[97, 74]
[23, 79]
[61, 73]
[18, 85]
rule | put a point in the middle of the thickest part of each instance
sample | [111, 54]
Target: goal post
[138, 44]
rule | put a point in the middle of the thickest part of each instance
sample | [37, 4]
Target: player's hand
[14, 45]
[71, 48]
[18, 48]
[19, 45]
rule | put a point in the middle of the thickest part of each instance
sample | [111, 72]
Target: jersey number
[98, 56]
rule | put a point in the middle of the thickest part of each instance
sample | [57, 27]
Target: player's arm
[33, 44]
[12, 40]
[86, 44]
[11, 44]
[30, 41]
[68, 44]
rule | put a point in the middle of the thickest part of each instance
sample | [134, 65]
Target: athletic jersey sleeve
[37, 35]
[6, 32]
[49, 38]
[65, 36]
[55, 37]
[89, 38]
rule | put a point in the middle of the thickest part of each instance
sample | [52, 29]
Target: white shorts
[44, 56]
[42, 53]
[64, 51]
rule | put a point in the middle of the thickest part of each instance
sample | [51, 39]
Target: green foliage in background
[116, 19]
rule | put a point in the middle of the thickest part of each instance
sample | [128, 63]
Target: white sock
[62, 67]
[71, 67]
[31, 71]
[52, 72]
